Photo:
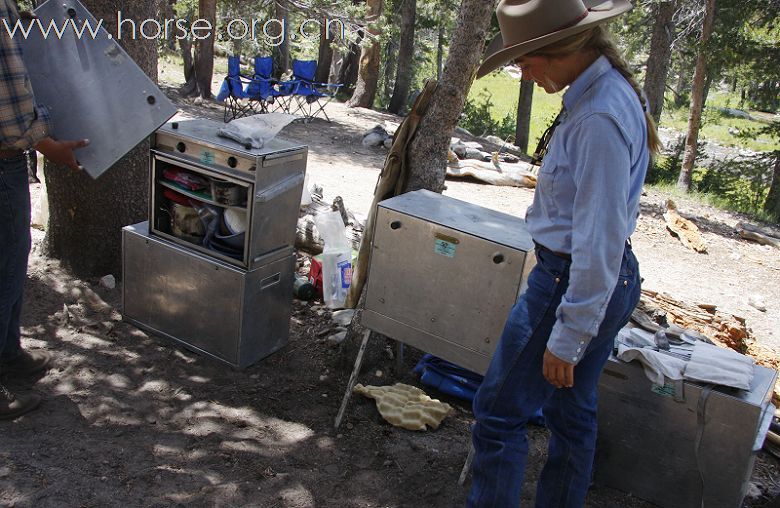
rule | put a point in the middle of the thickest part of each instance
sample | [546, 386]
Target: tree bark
[428, 154]
[697, 99]
[368, 72]
[324, 57]
[86, 215]
[204, 49]
[524, 103]
[660, 56]
[405, 69]
[772, 203]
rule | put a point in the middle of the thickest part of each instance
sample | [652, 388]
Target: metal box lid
[474, 220]
[91, 87]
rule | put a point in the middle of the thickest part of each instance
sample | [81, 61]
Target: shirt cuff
[567, 344]
[39, 129]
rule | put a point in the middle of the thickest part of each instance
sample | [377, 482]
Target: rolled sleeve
[22, 122]
[600, 217]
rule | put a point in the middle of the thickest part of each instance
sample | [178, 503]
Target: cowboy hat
[528, 25]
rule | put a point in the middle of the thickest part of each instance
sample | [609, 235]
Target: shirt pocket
[548, 173]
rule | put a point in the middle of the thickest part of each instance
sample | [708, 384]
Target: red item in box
[315, 276]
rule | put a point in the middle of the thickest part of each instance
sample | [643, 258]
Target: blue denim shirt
[587, 197]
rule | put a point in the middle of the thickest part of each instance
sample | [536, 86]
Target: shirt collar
[584, 80]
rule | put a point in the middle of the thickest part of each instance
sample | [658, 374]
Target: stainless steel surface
[647, 441]
[444, 275]
[272, 175]
[209, 306]
[92, 88]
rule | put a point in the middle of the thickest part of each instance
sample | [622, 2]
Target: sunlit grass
[504, 89]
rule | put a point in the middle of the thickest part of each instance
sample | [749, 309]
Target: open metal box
[231, 304]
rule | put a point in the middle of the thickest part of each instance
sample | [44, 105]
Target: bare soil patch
[133, 420]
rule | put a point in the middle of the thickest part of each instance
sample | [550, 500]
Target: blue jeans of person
[14, 251]
[514, 389]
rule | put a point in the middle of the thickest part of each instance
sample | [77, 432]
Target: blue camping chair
[232, 92]
[310, 96]
[260, 89]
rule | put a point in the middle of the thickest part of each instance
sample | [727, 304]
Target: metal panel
[647, 440]
[92, 88]
[211, 307]
[443, 289]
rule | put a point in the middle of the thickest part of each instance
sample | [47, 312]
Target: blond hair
[599, 40]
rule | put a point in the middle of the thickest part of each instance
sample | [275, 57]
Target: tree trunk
[86, 215]
[204, 49]
[281, 52]
[405, 70]
[439, 53]
[368, 72]
[772, 203]
[349, 67]
[391, 54]
[428, 154]
[524, 102]
[190, 86]
[660, 55]
[324, 57]
[697, 99]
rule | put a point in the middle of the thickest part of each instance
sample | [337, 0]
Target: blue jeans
[14, 250]
[514, 389]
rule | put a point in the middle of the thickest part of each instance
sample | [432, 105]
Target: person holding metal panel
[586, 282]
[23, 125]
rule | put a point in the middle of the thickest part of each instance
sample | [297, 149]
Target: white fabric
[720, 366]
[708, 363]
[256, 130]
[658, 366]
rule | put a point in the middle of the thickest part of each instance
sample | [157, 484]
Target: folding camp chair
[260, 89]
[310, 96]
[232, 92]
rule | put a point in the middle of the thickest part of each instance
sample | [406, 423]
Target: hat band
[573, 22]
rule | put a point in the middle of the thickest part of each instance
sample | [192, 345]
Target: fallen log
[684, 229]
[758, 237]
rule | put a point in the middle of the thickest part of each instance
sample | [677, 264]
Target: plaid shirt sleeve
[22, 122]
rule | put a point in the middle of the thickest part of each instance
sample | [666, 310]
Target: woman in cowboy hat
[586, 282]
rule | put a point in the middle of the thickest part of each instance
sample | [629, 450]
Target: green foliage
[665, 169]
[741, 183]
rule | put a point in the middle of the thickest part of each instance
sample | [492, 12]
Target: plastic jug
[336, 259]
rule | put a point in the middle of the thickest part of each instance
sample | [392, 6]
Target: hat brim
[497, 55]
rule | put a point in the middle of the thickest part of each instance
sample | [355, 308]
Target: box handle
[270, 281]
[279, 188]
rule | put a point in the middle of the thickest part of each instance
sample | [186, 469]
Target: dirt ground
[130, 419]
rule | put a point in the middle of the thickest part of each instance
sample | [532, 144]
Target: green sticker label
[667, 390]
[444, 248]
[207, 157]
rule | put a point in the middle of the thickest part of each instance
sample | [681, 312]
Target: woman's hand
[558, 373]
[61, 152]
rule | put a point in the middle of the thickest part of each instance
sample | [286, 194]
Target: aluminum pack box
[444, 274]
[679, 450]
[205, 304]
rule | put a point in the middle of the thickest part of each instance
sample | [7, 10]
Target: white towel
[256, 130]
[720, 366]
